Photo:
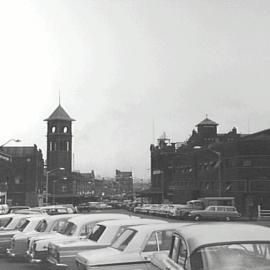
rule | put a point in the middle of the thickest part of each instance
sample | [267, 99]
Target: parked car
[49, 224]
[215, 213]
[216, 246]
[133, 247]
[28, 224]
[12, 209]
[11, 221]
[62, 254]
[77, 228]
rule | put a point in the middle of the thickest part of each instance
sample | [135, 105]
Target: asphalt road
[10, 264]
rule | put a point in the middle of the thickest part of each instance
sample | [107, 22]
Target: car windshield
[235, 256]
[70, 229]
[97, 232]
[59, 226]
[42, 225]
[123, 240]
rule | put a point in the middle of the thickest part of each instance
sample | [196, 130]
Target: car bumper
[37, 256]
[55, 265]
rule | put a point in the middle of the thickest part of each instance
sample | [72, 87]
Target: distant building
[5, 175]
[213, 164]
[24, 175]
[125, 183]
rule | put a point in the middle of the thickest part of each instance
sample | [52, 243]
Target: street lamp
[10, 140]
[47, 181]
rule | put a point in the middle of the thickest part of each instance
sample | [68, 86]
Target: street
[11, 264]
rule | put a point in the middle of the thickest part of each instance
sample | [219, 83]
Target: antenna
[153, 131]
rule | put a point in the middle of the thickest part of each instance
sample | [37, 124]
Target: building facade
[24, 175]
[125, 183]
[213, 164]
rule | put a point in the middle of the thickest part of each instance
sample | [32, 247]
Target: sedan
[62, 254]
[134, 246]
[49, 224]
[77, 228]
[216, 246]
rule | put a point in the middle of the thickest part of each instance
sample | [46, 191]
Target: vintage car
[27, 224]
[216, 246]
[134, 246]
[77, 228]
[12, 221]
[49, 224]
[216, 213]
[62, 254]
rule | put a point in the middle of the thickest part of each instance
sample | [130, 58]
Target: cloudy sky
[122, 65]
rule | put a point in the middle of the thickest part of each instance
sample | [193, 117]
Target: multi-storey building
[125, 183]
[24, 175]
[213, 164]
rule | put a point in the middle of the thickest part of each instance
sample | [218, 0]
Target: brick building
[213, 164]
[23, 175]
[125, 183]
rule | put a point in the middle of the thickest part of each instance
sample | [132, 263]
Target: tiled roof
[59, 114]
[207, 122]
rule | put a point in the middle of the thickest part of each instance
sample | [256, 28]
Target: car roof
[198, 235]
[58, 217]
[131, 221]
[161, 226]
[35, 217]
[90, 217]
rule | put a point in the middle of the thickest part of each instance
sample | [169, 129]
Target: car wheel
[197, 218]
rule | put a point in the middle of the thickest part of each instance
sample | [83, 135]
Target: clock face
[53, 129]
[65, 129]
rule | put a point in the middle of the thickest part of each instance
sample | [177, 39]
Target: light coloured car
[216, 246]
[77, 228]
[27, 224]
[134, 246]
[49, 224]
[215, 213]
[62, 254]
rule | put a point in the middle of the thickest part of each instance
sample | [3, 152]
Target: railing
[263, 213]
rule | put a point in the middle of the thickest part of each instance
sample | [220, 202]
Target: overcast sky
[123, 64]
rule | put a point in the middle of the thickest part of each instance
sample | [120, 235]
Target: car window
[175, 248]
[151, 244]
[220, 209]
[86, 229]
[124, 239]
[182, 255]
[42, 225]
[5, 221]
[164, 240]
[59, 225]
[211, 208]
[97, 232]
[70, 229]
[23, 225]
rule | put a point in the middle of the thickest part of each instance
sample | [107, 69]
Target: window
[151, 245]
[86, 229]
[53, 129]
[175, 248]
[68, 146]
[123, 240]
[97, 232]
[17, 180]
[42, 225]
[65, 129]
[182, 253]
[59, 225]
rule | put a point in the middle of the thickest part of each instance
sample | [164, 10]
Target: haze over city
[129, 70]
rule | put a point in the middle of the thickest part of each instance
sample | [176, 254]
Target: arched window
[53, 129]
[65, 129]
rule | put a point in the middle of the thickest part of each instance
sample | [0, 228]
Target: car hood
[8, 233]
[105, 256]
[75, 243]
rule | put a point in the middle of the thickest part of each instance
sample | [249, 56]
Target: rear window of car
[42, 225]
[70, 229]
[5, 221]
[23, 225]
[97, 232]
[124, 239]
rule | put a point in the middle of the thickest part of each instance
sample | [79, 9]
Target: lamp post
[10, 140]
[47, 181]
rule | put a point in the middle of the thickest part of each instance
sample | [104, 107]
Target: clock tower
[59, 140]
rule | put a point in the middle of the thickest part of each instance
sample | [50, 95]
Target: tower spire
[59, 97]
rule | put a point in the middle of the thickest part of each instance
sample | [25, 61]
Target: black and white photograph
[135, 135]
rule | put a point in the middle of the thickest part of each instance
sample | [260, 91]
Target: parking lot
[11, 264]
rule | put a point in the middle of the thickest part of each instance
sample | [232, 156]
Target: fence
[263, 213]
